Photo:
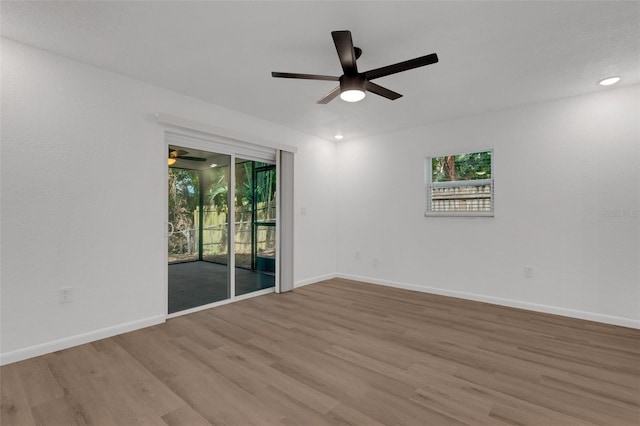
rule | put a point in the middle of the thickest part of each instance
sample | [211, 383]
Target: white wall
[559, 167]
[83, 179]
[82, 188]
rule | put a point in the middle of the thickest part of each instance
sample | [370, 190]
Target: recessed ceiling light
[609, 81]
[213, 165]
[338, 136]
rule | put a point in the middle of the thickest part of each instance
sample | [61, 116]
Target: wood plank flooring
[339, 353]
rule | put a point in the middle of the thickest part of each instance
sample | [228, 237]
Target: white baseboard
[313, 280]
[556, 310]
[80, 339]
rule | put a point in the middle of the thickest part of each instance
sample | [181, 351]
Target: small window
[460, 184]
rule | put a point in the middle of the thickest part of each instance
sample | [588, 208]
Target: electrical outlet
[303, 211]
[528, 271]
[66, 295]
[375, 262]
[357, 254]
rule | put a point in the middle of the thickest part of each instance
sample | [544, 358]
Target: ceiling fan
[175, 154]
[354, 84]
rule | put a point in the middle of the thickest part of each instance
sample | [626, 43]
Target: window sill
[459, 214]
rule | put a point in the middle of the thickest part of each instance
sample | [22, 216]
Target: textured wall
[83, 181]
[561, 168]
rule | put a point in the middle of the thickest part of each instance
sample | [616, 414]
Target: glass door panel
[198, 228]
[255, 226]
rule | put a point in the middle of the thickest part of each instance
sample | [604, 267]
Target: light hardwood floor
[339, 353]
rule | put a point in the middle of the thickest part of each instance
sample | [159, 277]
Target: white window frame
[452, 185]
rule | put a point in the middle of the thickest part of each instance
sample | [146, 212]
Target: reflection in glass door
[255, 239]
[184, 196]
[198, 241]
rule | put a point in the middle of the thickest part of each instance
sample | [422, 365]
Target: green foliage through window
[468, 166]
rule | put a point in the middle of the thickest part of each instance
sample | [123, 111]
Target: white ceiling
[493, 55]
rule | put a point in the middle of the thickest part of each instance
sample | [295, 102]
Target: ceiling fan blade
[192, 158]
[330, 96]
[402, 66]
[382, 91]
[175, 153]
[304, 76]
[346, 52]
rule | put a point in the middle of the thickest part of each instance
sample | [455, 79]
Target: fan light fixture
[352, 88]
[171, 161]
[352, 95]
[609, 81]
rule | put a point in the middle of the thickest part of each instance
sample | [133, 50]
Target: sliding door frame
[233, 148]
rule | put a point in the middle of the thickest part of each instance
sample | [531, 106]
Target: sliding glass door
[202, 236]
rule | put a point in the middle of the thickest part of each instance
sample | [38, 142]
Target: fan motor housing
[352, 82]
